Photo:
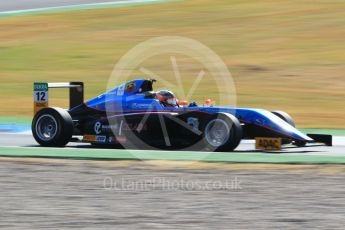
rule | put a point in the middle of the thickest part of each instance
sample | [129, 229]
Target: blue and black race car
[134, 116]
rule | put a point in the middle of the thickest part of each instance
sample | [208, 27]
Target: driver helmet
[167, 98]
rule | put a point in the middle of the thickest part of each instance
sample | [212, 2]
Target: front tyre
[223, 132]
[285, 117]
[52, 127]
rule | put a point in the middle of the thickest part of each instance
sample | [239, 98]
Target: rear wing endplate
[41, 93]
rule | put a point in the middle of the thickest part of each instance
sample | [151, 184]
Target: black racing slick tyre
[285, 117]
[52, 127]
[222, 133]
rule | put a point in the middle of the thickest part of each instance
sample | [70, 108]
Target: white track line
[337, 140]
[24, 133]
[77, 5]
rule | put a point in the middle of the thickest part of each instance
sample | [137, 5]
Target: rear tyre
[285, 117]
[52, 127]
[223, 132]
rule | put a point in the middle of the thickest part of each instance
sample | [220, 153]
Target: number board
[40, 96]
[265, 143]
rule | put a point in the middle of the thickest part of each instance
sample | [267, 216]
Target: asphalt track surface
[26, 140]
[15, 5]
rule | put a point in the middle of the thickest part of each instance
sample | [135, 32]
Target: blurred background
[286, 55]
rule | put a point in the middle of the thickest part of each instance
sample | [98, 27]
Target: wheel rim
[46, 127]
[217, 132]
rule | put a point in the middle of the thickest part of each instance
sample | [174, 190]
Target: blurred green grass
[286, 55]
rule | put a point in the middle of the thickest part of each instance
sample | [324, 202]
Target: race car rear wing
[41, 95]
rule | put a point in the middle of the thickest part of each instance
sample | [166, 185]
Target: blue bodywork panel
[132, 98]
